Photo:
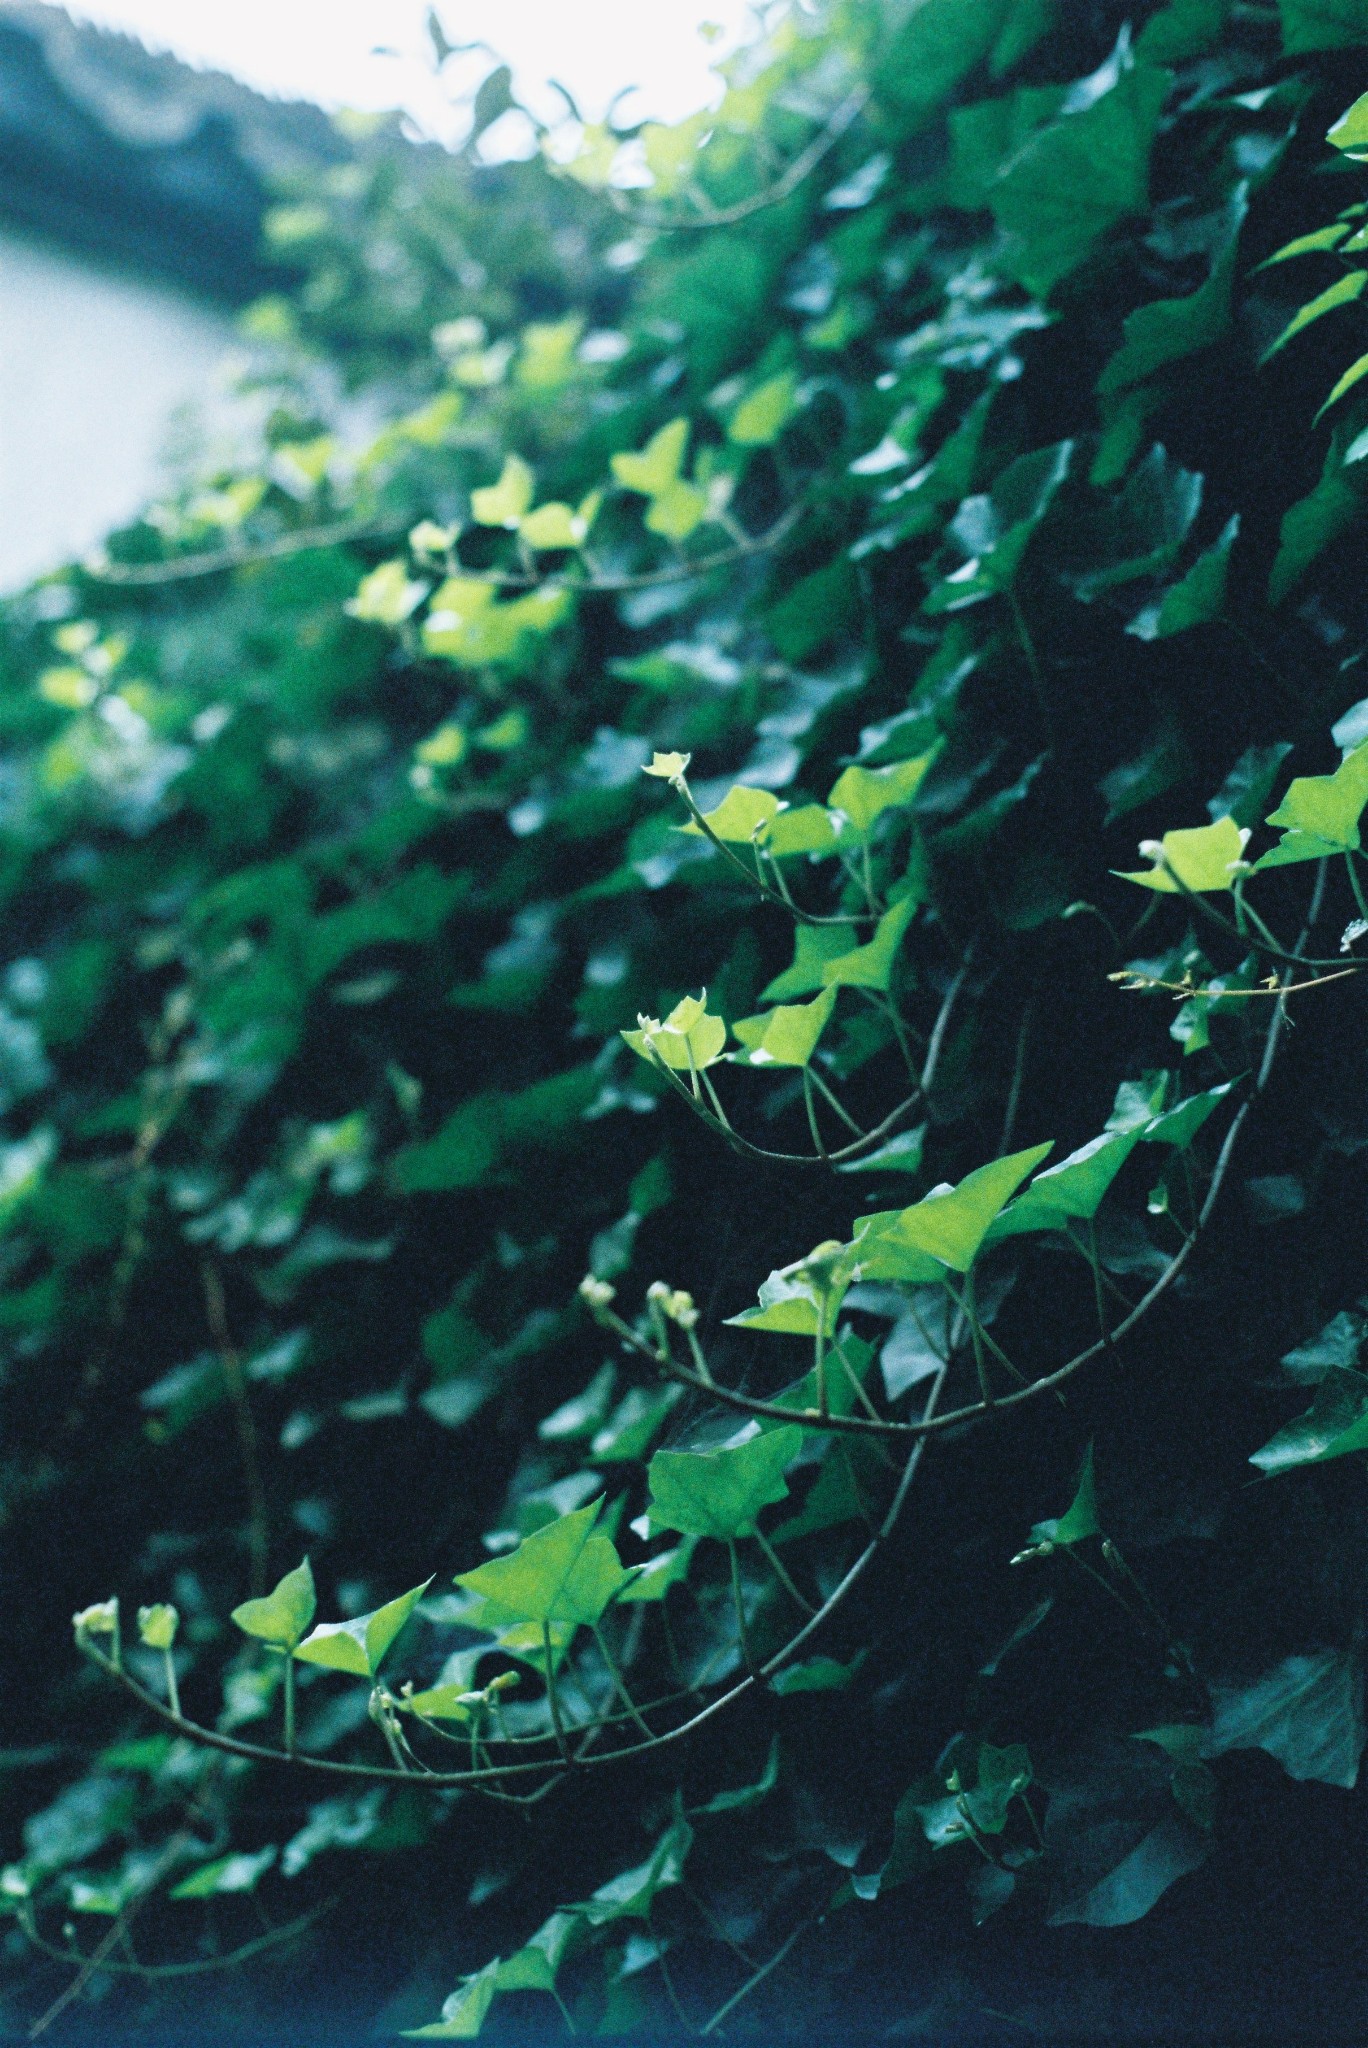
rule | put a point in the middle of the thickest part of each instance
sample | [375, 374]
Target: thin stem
[777, 1566]
[752, 1982]
[172, 1689]
[738, 1601]
[841, 1112]
[619, 1682]
[289, 1704]
[810, 1106]
[552, 1695]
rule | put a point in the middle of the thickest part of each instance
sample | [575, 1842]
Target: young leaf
[741, 816]
[228, 1874]
[1335, 1424]
[950, 1224]
[1327, 808]
[871, 965]
[652, 472]
[504, 503]
[810, 829]
[1198, 858]
[1342, 293]
[283, 1616]
[465, 2012]
[1179, 1126]
[813, 946]
[359, 1646]
[566, 1573]
[798, 1299]
[631, 1896]
[1079, 1521]
[862, 795]
[157, 1626]
[720, 1493]
[1073, 1188]
[786, 1037]
[689, 1039]
[536, 1965]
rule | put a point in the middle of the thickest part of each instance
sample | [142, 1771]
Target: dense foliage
[665, 810]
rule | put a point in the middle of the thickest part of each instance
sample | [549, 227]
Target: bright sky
[331, 50]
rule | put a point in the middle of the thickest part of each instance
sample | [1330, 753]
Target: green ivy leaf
[741, 817]
[689, 1040]
[742, 1798]
[1313, 524]
[1326, 808]
[994, 528]
[1342, 292]
[817, 1674]
[465, 2012]
[1197, 598]
[1350, 132]
[283, 1616]
[1074, 180]
[949, 1226]
[632, 1895]
[764, 412]
[1199, 857]
[814, 945]
[786, 1037]
[536, 1966]
[806, 828]
[1073, 1188]
[862, 795]
[227, 1875]
[657, 467]
[360, 1646]
[1179, 1126]
[799, 1299]
[1307, 1712]
[720, 1493]
[1335, 1424]
[1079, 1520]
[1322, 25]
[504, 503]
[871, 965]
[566, 1573]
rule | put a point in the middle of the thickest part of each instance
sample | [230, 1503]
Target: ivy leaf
[814, 945]
[720, 1493]
[1179, 1126]
[995, 528]
[743, 1797]
[465, 2012]
[806, 828]
[786, 1037]
[950, 1224]
[1307, 1712]
[817, 1674]
[677, 510]
[1073, 1188]
[227, 1875]
[689, 1040]
[566, 1573]
[1073, 181]
[656, 468]
[902, 1154]
[552, 525]
[1199, 857]
[799, 1299]
[1335, 1424]
[871, 965]
[1311, 525]
[632, 1895]
[359, 1646]
[1342, 292]
[1116, 1838]
[504, 503]
[1142, 530]
[1167, 330]
[1326, 808]
[282, 1617]
[1350, 132]
[741, 817]
[653, 1580]
[1079, 1520]
[1322, 25]
[862, 795]
[157, 1626]
[536, 1965]
[387, 596]
[764, 412]
[1199, 596]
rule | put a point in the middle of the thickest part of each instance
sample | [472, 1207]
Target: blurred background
[140, 141]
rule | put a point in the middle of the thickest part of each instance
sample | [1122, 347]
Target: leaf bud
[100, 1620]
[595, 1293]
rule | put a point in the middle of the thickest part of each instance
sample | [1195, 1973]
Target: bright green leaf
[1197, 858]
[283, 1616]
[1079, 1521]
[871, 965]
[504, 503]
[359, 1646]
[566, 1573]
[785, 1037]
[862, 795]
[689, 1040]
[741, 816]
[720, 1493]
[658, 465]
